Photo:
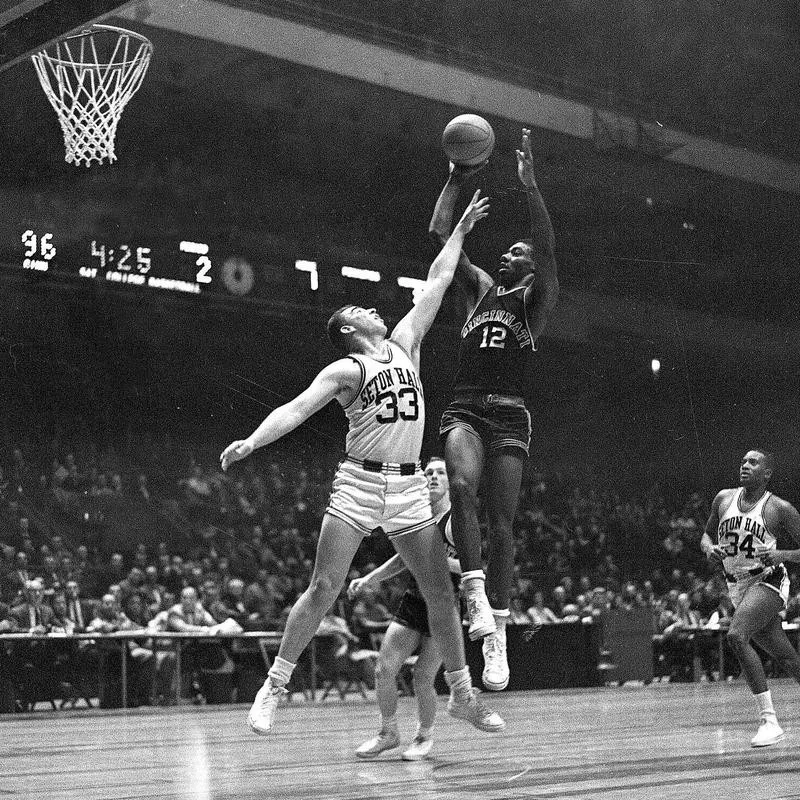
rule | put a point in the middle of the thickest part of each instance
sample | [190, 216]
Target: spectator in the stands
[233, 597]
[539, 613]
[113, 572]
[109, 617]
[14, 585]
[199, 658]
[50, 574]
[80, 611]
[132, 584]
[142, 491]
[33, 615]
[152, 590]
[61, 622]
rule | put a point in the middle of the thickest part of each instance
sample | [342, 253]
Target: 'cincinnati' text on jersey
[506, 318]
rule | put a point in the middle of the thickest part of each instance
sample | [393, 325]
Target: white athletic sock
[501, 615]
[471, 578]
[460, 682]
[765, 706]
[281, 671]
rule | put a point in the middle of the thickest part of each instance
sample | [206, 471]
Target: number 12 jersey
[496, 353]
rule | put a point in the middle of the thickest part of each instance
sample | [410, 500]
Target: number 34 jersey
[387, 416]
[744, 535]
[496, 353]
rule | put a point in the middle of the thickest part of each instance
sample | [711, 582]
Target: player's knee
[386, 668]
[737, 640]
[322, 588]
[462, 490]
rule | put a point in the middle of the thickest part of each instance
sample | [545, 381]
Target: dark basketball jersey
[496, 353]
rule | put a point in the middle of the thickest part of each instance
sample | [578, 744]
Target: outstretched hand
[356, 587]
[478, 208]
[235, 451]
[525, 160]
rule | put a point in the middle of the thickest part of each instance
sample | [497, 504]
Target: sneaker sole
[495, 687]
[407, 757]
[770, 742]
[480, 633]
[484, 728]
[259, 731]
[370, 756]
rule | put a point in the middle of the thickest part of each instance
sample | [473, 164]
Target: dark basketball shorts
[499, 420]
[412, 611]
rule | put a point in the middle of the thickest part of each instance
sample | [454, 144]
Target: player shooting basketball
[486, 429]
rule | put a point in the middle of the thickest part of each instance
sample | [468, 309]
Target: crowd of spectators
[239, 548]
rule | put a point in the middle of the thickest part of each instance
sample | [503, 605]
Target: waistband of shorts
[750, 573]
[386, 467]
[475, 395]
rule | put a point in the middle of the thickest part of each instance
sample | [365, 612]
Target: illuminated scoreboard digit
[38, 251]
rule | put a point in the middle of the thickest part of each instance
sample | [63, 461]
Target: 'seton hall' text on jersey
[386, 378]
[735, 524]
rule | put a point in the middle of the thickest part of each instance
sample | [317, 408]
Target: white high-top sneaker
[769, 732]
[372, 748]
[496, 674]
[481, 619]
[262, 712]
[419, 749]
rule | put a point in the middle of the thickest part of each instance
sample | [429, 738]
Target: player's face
[438, 482]
[516, 263]
[753, 471]
[365, 320]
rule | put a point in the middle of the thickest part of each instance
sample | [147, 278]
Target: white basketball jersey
[387, 417]
[744, 535]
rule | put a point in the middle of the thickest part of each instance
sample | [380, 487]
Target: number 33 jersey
[744, 535]
[387, 416]
[496, 353]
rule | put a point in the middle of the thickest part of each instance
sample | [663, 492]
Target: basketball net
[89, 78]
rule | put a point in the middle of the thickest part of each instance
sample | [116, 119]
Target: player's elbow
[437, 236]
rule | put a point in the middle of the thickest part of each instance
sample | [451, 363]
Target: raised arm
[472, 280]
[410, 331]
[542, 296]
[337, 381]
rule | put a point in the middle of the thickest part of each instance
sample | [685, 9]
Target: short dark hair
[338, 339]
[769, 457]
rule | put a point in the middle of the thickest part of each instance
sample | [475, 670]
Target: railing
[266, 640]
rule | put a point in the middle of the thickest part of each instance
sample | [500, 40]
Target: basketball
[468, 140]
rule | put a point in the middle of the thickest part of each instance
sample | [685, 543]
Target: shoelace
[494, 647]
[271, 696]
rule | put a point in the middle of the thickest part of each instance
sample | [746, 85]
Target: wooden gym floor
[666, 741]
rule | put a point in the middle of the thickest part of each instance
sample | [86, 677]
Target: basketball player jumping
[408, 632]
[379, 484]
[486, 428]
[742, 534]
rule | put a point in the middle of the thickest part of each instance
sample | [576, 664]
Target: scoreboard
[185, 266]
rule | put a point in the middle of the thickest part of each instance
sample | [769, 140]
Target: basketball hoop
[89, 78]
